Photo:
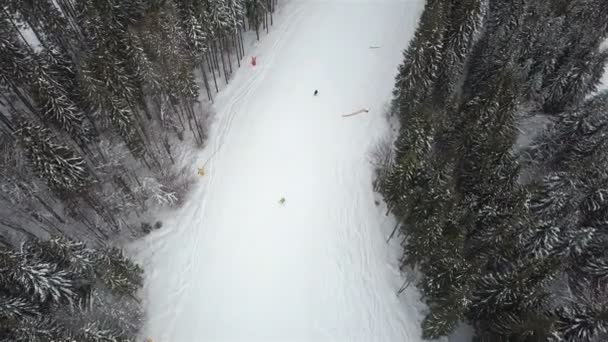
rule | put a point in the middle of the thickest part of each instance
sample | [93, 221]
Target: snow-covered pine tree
[502, 283]
[589, 16]
[256, 10]
[118, 273]
[506, 252]
[44, 282]
[577, 322]
[58, 165]
[574, 141]
[42, 297]
[497, 47]
[434, 245]
[15, 68]
[175, 68]
[54, 103]
[190, 13]
[33, 329]
[464, 19]
[224, 20]
[506, 300]
[486, 134]
[108, 85]
[100, 86]
[417, 74]
[13, 308]
[67, 254]
[569, 85]
[47, 22]
[570, 205]
[413, 87]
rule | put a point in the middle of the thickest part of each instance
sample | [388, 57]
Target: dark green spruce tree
[507, 238]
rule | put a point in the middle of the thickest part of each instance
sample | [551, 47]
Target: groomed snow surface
[235, 265]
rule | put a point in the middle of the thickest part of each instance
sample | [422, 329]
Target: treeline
[507, 231]
[98, 100]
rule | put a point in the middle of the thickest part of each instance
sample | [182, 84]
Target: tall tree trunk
[189, 119]
[257, 28]
[179, 117]
[215, 59]
[206, 81]
[17, 228]
[213, 73]
[242, 43]
[393, 232]
[70, 13]
[237, 48]
[168, 149]
[49, 209]
[27, 102]
[144, 105]
[226, 48]
[271, 12]
[4, 120]
[197, 123]
[17, 30]
[97, 233]
[29, 212]
[221, 50]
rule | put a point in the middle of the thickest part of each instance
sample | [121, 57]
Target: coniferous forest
[98, 99]
[505, 226]
[497, 177]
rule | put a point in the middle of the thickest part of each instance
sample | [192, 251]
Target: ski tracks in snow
[234, 266]
[238, 99]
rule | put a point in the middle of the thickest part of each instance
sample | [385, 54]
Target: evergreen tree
[574, 80]
[60, 290]
[92, 102]
[417, 75]
[59, 166]
[581, 323]
[54, 101]
[12, 308]
[505, 241]
[33, 329]
[256, 10]
[464, 20]
[46, 20]
[118, 273]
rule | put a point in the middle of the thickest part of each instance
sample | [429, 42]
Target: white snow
[29, 37]
[233, 264]
[604, 82]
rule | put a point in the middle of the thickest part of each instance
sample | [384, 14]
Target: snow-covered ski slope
[233, 264]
